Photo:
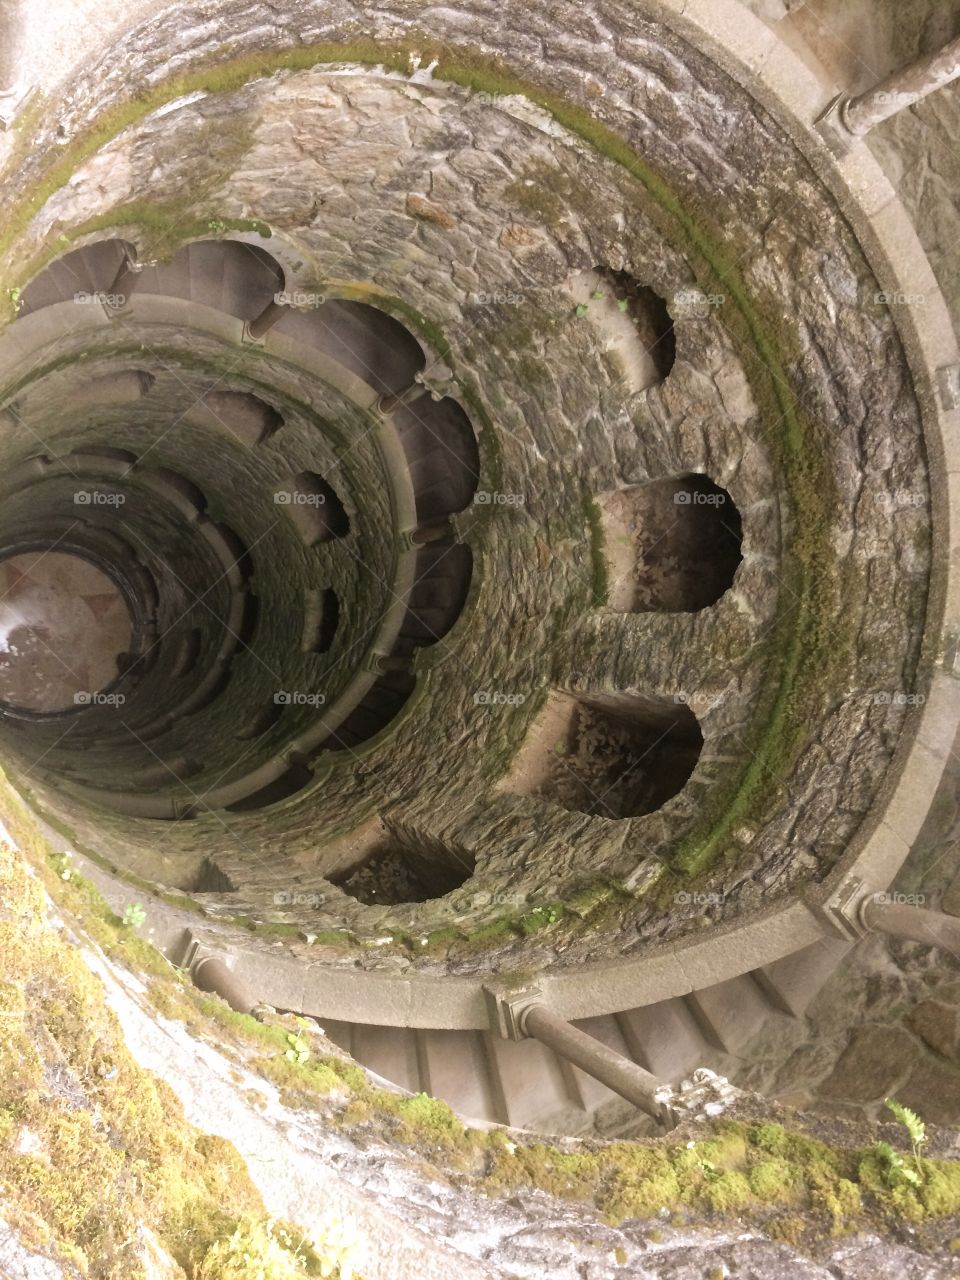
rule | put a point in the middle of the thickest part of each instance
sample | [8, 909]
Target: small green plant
[597, 295]
[710, 1171]
[893, 1167]
[216, 226]
[582, 310]
[915, 1128]
[255, 1251]
[14, 295]
[299, 1045]
[335, 1244]
[545, 915]
[134, 915]
[622, 304]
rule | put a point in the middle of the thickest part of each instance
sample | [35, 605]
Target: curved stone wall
[530, 231]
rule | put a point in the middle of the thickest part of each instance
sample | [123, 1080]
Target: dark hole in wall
[248, 619]
[651, 318]
[210, 879]
[314, 507]
[237, 415]
[443, 573]
[374, 711]
[398, 871]
[672, 546]
[329, 621]
[442, 455]
[620, 755]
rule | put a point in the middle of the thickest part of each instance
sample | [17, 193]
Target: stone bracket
[250, 339]
[193, 950]
[843, 909]
[507, 1005]
[831, 128]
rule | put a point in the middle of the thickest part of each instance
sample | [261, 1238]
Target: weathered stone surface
[564, 426]
[938, 1025]
[871, 1066]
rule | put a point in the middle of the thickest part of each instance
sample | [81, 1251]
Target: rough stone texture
[21, 1263]
[494, 170]
[420, 1218]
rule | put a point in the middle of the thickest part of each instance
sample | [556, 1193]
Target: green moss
[193, 1190]
[599, 574]
[772, 1179]
[790, 1229]
[84, 1178]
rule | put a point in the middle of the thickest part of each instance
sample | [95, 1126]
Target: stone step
[528, 1083]
[367, 342]
[454, 1067]
[791, 983]
[92, 269]
[390, 1052]
[665, 1038]
[730, 1013]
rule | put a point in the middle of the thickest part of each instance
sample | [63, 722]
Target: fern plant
[917, 1132]
[894, 1167]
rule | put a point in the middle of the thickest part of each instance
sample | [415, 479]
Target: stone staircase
[525, 1085]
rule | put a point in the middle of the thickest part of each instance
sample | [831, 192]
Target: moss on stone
[87, 1164]
[599, 574]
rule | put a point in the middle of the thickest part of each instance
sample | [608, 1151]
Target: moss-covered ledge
[796, 1180]
[98, 1167]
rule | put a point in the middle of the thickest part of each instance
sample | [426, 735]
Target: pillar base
[506, 1006]
[832, 128]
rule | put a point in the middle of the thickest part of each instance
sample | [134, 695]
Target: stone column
[848, 119]
[14, 86]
